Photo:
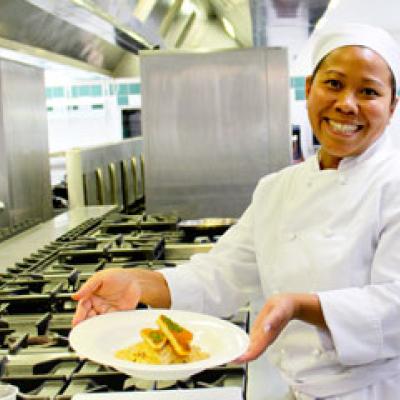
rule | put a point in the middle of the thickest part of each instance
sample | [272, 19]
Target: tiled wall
[298, 84]
[88, 112]
[121, 91]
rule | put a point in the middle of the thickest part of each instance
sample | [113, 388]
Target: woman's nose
[346, 102]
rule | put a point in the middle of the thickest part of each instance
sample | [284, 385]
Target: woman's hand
[277, 312]
[120, 289]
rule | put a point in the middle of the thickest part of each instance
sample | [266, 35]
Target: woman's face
[349, 102]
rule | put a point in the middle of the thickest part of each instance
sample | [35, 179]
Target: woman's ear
[308, 85]
[394, 105]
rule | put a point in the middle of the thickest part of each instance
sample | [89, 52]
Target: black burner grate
[36, 309]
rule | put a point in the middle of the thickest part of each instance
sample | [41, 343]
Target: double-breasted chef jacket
[332, 232]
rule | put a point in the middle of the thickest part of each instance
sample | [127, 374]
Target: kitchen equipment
[205, 226]
[39, 271]
[98, 339]
[105, 174]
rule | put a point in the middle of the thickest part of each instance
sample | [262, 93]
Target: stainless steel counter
[16, 248]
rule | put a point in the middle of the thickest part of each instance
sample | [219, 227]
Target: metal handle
[142, 173]
[100, 186]
[113, 182]
[134, 178]
[2, 206]
[125, 183]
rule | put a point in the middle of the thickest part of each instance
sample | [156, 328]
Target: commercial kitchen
[132, 134]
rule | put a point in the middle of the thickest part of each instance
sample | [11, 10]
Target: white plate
[225, 393]
[98, 339]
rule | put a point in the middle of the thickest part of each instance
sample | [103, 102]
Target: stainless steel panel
[24, 163]
[213, 124]
[4, 192]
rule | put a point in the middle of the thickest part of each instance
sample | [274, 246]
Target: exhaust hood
[78, 33]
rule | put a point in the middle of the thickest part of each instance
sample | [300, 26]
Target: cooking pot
[205, 227]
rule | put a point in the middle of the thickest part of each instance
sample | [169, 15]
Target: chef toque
[369, 36]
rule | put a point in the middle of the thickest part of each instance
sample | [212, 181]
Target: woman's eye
[370, 92]
[333, 83]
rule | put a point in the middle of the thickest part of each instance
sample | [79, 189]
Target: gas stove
[36, 308]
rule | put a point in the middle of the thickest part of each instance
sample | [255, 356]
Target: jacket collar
[379, 150]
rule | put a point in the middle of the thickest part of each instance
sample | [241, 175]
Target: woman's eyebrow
[374, 81]
[366, 80]
[333, 71]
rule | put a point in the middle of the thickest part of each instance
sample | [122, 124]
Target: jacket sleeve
[222, 280]
[364, 322]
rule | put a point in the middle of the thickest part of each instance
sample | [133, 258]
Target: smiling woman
[319, 240]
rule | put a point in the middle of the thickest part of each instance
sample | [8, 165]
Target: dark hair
[392, 79]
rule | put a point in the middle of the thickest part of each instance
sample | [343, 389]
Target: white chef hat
[369, 36]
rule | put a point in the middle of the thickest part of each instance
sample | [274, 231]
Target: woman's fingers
[82, 310]
[88, 288]
[263, 333]
[273, 318]
[259, 341]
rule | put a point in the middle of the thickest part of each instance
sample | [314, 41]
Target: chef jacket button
[291, 236]
[309, 183]
[316, 352]
[342, 180]
[328, 233]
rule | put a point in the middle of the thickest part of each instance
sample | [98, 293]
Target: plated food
[169, 344]
[101, 337]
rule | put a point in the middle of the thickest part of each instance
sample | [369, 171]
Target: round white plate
[98, 339]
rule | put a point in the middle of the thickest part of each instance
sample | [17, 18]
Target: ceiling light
[187, 8]
[333, 4]
[230, 30]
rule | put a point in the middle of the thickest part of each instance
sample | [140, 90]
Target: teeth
[345, 128]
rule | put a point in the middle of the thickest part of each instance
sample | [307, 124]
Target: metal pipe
[188, 24]
[169, 17]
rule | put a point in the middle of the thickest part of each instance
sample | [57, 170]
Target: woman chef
[320, 240]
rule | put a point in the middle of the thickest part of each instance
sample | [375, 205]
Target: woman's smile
[342, 129]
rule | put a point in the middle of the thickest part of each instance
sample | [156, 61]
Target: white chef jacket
[331, 232]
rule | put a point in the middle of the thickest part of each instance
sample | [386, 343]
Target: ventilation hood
[78, 33]
[103, 36]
